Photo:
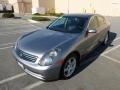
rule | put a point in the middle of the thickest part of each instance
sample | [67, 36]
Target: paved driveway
[99, 71]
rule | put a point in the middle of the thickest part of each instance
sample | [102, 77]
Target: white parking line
[36, 26]
[12, 78]
[5, 44]
[32, 85]
[116, 39]
[33, 21]
[6, 47]
[110, 50]
[15, 32]
[14, 24]
[112, 59]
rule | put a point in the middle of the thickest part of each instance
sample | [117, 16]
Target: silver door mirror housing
[92, 31]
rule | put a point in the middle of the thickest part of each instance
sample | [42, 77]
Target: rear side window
[93, 23]
[101, 20]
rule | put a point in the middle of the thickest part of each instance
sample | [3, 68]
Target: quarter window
[93, 23]
[101, 20]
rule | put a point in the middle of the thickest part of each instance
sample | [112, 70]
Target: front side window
[69, 24]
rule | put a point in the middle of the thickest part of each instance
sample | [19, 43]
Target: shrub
[55, 14]
[8, 15]
[36, 14]
[49, 14]
[39, 18]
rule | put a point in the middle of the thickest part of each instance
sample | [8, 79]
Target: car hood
[41, 41]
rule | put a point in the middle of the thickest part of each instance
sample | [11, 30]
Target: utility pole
[68, 6]
[22, 7]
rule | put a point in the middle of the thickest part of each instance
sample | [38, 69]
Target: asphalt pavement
[98, 71]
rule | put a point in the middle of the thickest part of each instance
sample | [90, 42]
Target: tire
[69, 66]
[105, 42]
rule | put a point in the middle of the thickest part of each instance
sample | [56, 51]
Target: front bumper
[41, 72]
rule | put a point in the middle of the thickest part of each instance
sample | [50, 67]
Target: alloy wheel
[70, 67]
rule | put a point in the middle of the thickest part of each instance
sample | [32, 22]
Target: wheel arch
[71, 53]
[77, 53]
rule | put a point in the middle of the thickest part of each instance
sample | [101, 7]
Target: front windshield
[69, 24]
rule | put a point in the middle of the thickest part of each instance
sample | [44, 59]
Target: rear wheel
[69, 66]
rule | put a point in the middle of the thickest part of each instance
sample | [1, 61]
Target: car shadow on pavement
[91, 57]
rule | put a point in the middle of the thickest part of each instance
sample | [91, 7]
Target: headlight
[48, 59]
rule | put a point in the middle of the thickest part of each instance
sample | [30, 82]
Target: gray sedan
[56, 51]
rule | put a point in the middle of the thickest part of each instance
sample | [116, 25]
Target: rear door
[91, 38]
[103, 28]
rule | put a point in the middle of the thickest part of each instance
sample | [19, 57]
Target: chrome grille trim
[26, 56]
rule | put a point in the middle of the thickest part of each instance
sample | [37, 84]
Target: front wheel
[69, 66]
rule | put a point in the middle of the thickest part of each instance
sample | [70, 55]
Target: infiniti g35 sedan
[56, 50]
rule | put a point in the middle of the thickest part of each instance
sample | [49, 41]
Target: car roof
[80, 15]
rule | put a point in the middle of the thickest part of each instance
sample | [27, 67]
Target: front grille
[26, 56]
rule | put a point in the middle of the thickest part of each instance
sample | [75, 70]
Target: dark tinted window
[70, 24]
[93, 23]
[75, 24]
[59, 24]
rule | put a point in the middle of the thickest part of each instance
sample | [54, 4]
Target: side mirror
[92, 31]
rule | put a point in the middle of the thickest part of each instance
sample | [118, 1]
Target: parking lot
[99, 71]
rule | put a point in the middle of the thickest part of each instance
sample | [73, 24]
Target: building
[20, 6]
[105, 7]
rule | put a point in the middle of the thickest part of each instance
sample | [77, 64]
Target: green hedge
[39, 18]
[37, 14]
[8, 15]
[55, 14]
[49, 14]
